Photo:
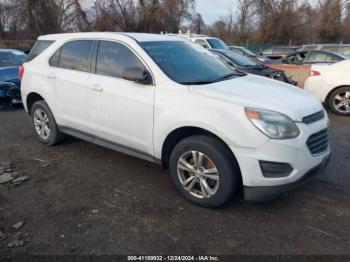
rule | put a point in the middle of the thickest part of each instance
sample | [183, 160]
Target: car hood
[264, 93]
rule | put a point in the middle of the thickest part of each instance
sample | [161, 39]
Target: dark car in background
[279, 52]
[313, 57]
[10, 61]
[246, 65]
[251, 55]
[341, 49]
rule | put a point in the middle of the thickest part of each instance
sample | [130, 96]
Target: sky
[211, 10]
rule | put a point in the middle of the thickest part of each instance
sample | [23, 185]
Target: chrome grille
[314, 117]
[318, 142]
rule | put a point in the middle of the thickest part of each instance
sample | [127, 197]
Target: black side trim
[109, 144]
[268, 193]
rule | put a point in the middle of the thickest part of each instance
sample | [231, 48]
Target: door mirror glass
[138, 75]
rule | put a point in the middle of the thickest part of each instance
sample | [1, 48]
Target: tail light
[21, 72]
[314, 73]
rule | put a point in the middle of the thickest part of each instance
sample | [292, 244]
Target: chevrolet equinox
[170, 101]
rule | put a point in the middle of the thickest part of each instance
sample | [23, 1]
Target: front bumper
[268, 193]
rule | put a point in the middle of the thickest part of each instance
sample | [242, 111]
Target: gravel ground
[85, 199]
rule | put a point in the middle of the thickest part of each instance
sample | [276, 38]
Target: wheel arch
[31, 99]
[332, 91]
[177, 135]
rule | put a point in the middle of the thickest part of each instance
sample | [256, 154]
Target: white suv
[170, 101]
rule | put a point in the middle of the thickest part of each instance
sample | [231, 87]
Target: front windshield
[186, 62]
[12, 58]
[240, 60]
[216, 43]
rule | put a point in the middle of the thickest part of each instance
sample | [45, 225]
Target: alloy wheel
[198, 174]
[41, 124]
[341, 102]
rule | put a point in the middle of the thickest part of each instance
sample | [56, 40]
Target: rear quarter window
[38, 48]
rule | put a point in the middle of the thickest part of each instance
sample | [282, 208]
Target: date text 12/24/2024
[173, 258]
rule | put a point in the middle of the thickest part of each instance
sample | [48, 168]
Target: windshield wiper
[257, 66]
[226, 77]
[201, 82]
[205, 82]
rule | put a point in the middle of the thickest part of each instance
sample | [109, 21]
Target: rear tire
[204, 171]
[339, 101]
[44, 124]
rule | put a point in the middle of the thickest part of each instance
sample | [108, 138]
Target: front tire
[44, 124]
[204, 171]
[339, 101]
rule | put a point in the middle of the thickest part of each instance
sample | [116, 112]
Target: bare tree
[52, 16]
[197, 24]
[330, 20]
[255, 21]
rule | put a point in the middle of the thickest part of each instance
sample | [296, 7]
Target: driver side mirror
[138, 75]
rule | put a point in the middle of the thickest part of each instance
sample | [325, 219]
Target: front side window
[75, 55]
[113, 58]
[186, 62]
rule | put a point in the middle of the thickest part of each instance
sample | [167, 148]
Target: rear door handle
[97, 88]
[51, 75]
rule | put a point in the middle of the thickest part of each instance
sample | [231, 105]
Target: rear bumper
[268, 193]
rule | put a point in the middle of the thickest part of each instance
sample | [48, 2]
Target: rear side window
[38, 48]
[113, 58]
[74, 55]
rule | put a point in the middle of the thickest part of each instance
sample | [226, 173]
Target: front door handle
[51, 75]
[97, 88]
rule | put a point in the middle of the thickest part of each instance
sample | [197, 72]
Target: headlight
[273, 124]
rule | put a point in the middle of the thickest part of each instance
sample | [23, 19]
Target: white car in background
[331, 84]
[207, 42]
[170, 101]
